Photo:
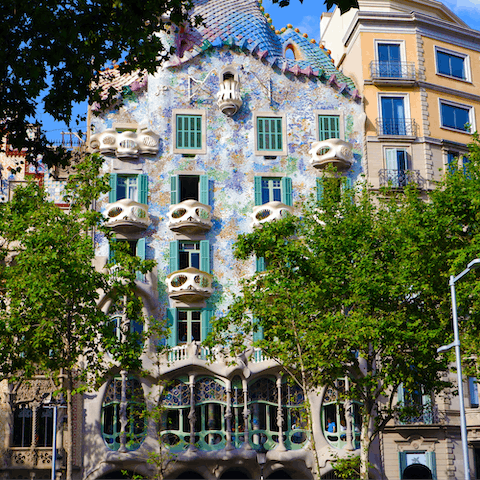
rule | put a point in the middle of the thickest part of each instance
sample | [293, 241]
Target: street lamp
[456, 343]
[55, 404]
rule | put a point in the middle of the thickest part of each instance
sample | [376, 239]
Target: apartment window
[23, 429]
[186, 254]
[136, 248]
[189, 187]
[328, 127]
[473, 391]
[132, 187]
[396, 166]
[419, 400]
[394, 116]
[389, 60]
[113, 416]
[273, 189]
[456, 161]
[456, 116]
[116, 322]
[417, 464]
[190, 131]
[452, 64]
[188, 325]
[270, 135]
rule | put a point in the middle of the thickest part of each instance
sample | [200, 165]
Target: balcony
[28, 457]
[334, 152]
[390, 127]
[400, 178]
[125, 144]
[127, 216]
[229, 99]
[269, 212]
[189, 285]
[426, 415]
[190, 217]
[397, 73]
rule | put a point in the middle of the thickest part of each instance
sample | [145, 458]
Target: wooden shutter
[391, 159]
[174, 257]
[143, 188]
[402, 462]
[473, 390]
[205, 256]
[431, 463]
[206, 318]
[319, 189]
[400, 395]
[258, 190]
[204, 190]
[111, 252]
[174, 189]
[260, 264]
[172, 325]
[112, 194]
[287, 193]
[257, 335]
[140, 252]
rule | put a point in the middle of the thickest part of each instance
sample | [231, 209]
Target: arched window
[176, 424]
[111, 414]
[294, 416]
[334, 417]
[210, 405]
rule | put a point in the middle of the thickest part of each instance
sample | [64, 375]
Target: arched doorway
[415, 471]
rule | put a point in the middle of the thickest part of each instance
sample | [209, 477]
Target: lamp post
[55, 405]
[456, 343]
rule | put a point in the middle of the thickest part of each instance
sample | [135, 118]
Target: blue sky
[306, 17]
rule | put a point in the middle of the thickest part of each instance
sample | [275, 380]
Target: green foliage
[348, 467]
[343, 5]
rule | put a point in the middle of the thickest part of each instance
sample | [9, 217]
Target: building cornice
[449, 91]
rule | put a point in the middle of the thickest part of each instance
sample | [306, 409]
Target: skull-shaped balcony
[334, 152]
[190, 217]
[189, 285]
[269, 212]
[127, 216]
[125, 144]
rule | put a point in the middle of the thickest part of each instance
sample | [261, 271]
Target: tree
[343, 5]
[359, 290]
[54, 51]
[49, 320]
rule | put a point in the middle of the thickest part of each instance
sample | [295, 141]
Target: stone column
[280, 420]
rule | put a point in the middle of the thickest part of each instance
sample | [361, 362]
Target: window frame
[286, 189]
[203, 187]
[172, 322]
[142, 186]
[330, 113]
[471, 115]
[452, 53]
[203, 122]
[264, 152]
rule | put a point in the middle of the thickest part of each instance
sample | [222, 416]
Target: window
[457, 160]
[113, 416]
[473, 390]
[134, 248]
[451, 64]
[190, 130]
[24, 430]
[186, 254]
[116, 321]
[456, 116]
[389, 60]
[272, 189]
[393, 116]
[396, 166]
[328, 127]
[270, 135]
[419, 406]
[189, 187]
[188, 325]
[132, 187]
[332, 186]
[417, 464]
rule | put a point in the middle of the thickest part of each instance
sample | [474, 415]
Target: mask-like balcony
[190, 217]
[189, 285]
[268, 212]
[228, 98]
[125, 144]
[334, 152]
[127, 216]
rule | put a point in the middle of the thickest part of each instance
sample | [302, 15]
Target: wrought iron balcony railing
[400, 178]
[426, 414]
[392, 71]
[406, 127]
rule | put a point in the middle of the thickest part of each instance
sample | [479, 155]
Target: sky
[304, 16]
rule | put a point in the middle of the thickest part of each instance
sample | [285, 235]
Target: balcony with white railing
[269, 212]
[397, 73]
[189, 285]
[127, 216]
[190, 217]
[334, 152]
[125, 144]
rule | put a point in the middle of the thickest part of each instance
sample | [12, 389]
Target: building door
[393, 116]
[389, 60]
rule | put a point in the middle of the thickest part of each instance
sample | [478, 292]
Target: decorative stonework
[334, 152]
[190, 217]
[268, 212]
[189, 285]
[228, 98]
[127, 216]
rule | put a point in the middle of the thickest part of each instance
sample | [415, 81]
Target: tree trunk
[69, 446]
[365, 442]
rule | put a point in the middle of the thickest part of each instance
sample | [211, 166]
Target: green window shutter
[143, 188]
[269, 134]
[400, 395]
[205, 256]
[402, 462]
[346, 187]
[257, 335]
[319, 189]
[111, 252]
[431, 463]
[174, 189]
[112, 194]
[174, 258]
[328, 127]
[287, 191]
[260, 264]
[427, 408]
[141, 247]
[189, 131]
[172, 325]
[204, 189]
[206, 318]
[258, 190]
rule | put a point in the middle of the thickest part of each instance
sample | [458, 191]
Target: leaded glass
[176, 395]
[264, 390]
[208, 389]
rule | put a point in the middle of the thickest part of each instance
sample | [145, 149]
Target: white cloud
[467, 10]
